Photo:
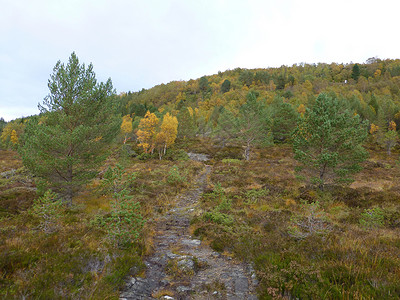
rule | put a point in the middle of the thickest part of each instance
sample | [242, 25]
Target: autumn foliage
[147, 132]
[126, 126]
[167, 133]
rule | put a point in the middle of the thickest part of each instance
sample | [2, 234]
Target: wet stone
[210, 275]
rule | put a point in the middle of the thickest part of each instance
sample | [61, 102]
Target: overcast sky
[143, 43]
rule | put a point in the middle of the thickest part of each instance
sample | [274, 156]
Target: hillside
[276, 183]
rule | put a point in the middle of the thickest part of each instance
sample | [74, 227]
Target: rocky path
[182, 267]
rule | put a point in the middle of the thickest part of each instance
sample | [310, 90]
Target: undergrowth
[343, 243]
[86, 251]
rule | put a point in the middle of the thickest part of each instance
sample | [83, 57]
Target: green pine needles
[328, 142]
[66, 144]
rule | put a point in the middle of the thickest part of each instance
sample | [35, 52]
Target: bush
[219, 218]
[372, 218]
[124, 223]
[254, 196]
[175, 155]
[48, 209]
[233, 161]
[312, 221]
[175, 177]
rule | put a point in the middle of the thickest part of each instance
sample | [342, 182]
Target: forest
[300, 184]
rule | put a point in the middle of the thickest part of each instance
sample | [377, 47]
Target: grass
[75, 260]
[342, 243]
[346, 246]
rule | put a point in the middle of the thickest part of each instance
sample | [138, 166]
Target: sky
[140, 44]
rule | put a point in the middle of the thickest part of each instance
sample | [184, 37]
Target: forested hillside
[371, 89]
[298, 181]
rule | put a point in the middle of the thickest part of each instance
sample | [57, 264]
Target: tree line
[80, 118]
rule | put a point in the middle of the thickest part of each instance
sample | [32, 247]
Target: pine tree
[66, 145]
[284, 120]
[250, 128]
[186, 125]
[226, 86]
[328, 142]
[355, 74]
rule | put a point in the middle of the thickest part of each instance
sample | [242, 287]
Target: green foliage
[355, 74]
[48, 209]
[254, 196]
[186, 124]
[282, 275]
[232, 161]
[246, 77]
[175, 177]
[372, 218]
[328, 142]
[284, 120]
[67, 143]
[390, 140]
[311, 221]
[218, 218]
[176, 155]
[124, 223]
[250, 128]
[220, 213]
[225, 86]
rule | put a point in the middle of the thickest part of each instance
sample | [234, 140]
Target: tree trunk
[69, 193]
[321, 178]
[247, 152]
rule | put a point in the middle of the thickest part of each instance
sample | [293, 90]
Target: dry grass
[348, 261]
[76, 260]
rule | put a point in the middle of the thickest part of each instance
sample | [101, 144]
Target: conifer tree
[250, 127]
[355, 72]
[186, 125]
[66, 145]
[328, 142]
[284, 120]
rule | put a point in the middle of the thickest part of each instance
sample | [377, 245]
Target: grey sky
[143, 43]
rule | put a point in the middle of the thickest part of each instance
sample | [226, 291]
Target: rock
[183, 289]
[167, 298]
[198, 156]
[186, 264]
[8, 174]
[191, 242]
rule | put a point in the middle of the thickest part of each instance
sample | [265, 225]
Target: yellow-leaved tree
[126, 126]
[14, 137]
[147, 131]
[11, 132]
[167, 134]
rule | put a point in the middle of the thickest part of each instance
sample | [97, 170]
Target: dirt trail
[184, 268]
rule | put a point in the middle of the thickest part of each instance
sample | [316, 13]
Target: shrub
[312, 221]
[48, 209]
[219, 217]
[124, 223]
[253, 196]
[372, 218]
[178, 154]
[232, 161]
[175, 177]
